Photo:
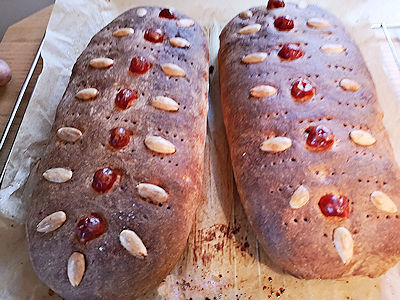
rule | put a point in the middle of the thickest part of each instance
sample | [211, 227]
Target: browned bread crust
[111, 272]
[301, 240]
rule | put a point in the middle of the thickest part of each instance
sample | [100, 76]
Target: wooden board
[18, 48]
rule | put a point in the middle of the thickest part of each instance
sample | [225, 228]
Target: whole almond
[276, 144]
[51, 222]
[349, 85]
[87, 94]
[333, 48]
[165, 103]
[69, 134]
[141, 12]
[152, 192]
[101, 62]
[254, 58]
[250, 29]
[185, 23]
[132, 242]
[76, 268]
[262, 91]
[173, 70]
[179, 42]
[159, 144]
[300, 197]
[123, 32]
[58, 175]
[247, 14]
[344, 243]
[362, 137]
[383, 202]
[318, 23]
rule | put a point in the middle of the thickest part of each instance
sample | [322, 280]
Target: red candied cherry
[319, 138]
[89, 227]
[124, 98]
[302, 90]
[139, 65]
[103, 180]
[167, 13]
[290, 51]
[119, 137]
[284, 23]
[154, 35]
[334, 206]
[275, 4]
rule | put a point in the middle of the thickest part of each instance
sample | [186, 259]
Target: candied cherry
[139, 65]
[302, 90]
[319, 138]
[275, 4]
[154, 35]
[334, 206]
[104, 179]
[124, 98]
[290, 51]
[89, 227]
[284, 23]
[167, 13]
[119, 137]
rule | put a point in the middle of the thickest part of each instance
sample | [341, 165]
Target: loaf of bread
[313, 164]
[122, 172]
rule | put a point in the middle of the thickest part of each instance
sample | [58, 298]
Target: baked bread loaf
[122, 172]
[313, 164]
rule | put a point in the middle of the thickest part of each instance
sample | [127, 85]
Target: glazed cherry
[154, 35]
[319, 138]
[103, 180]
[119, 138]
[167, 13]
[275, 4]
[284, 23]
[290, 51]
[302, 90]
[89, 227]
[124, 98]
[334, 206]
[139, 65]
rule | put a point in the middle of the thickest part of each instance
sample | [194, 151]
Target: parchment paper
[222, 259]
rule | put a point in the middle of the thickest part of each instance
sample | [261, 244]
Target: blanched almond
[132, 242]
[141, 12]
[87, 94]
[261, 91]
[76, 268]
[349, 85]
[185, 23]
[383, 202]
[179, 42]
[101, 62]
[318, 23]
[276, 144]
[333, 48]
[58, 175]
[69, 134]
[247, 14]
[123, 32]
[159, 144]
[254, 58]
[165, 103]
[300, 197]
[173, 70]
[344, 243]
[152, 192]
[362, 137]
[51, 222]
[250, 29]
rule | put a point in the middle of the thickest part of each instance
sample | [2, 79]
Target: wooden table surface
[18, 48]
